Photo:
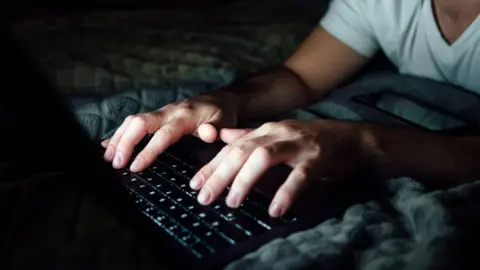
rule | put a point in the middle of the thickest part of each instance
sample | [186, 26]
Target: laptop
[156, 205]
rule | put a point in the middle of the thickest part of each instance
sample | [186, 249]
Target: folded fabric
[410, 228]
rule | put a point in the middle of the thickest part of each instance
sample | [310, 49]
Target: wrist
[225, 100]
[372, 153]
[359, 145]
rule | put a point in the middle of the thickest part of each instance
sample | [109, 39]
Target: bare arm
[398, 151]
[321, 63]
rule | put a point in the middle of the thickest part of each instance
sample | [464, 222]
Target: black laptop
[157, 204]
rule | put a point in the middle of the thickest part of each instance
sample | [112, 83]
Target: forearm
[267, 94]
[436, 160]
[320, 63]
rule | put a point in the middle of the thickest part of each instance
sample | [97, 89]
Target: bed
[110, 64]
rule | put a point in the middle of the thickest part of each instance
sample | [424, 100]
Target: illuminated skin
[324, 148]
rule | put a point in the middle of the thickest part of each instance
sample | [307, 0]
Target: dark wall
[18, 9]
[113, 3]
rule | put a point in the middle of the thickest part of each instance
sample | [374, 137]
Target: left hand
[314, 149]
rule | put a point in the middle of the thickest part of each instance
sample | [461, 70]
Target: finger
[259, 162]
[104, 143]
[161, 140]
[230, 135]
[296, 182]
[225, 173]
[207, 132]
[140, 126]
[206, 171]
[112, 144]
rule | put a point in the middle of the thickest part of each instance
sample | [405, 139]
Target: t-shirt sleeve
[347, 21]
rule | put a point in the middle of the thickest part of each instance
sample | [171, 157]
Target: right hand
[201, 116]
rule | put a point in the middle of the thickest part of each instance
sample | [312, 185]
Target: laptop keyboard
[163, 194]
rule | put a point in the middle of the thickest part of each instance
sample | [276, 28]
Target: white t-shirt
[406, 30]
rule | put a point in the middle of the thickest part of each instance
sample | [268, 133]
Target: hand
[200, 116]
[314, 149]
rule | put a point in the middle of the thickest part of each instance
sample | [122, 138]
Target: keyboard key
[262, 217]
[168, 200]
[125, 176]
[207, 235]
[148, 176]
[184, 200]
[202, 250]
[167, 223]
[159, 217]
[135, 185]
[249, 225]
[211, 218]
[259, 199]
[177, 167]
[198, 228]
[176, 212]
[187, 238]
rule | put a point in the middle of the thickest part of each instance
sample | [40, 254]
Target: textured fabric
[410, 229]
[114, 51]
[408, 34]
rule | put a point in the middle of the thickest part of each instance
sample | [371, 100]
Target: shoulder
[365, 25]
[378, 11]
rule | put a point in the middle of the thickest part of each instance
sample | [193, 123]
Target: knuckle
[285, 128]
[314, 151]
[245, 147]
[183, 112]
[265, 153]
[270, 125]
[184, 108]
[140, 119]
[186, 104]
[129, 118]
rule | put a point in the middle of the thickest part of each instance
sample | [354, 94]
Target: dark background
[30, 8]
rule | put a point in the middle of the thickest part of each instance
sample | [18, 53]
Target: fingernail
[276, 210]
[108, 154]
[117, 162]
[233, 200]
[204, 196]
[135, 165]
[196, 182]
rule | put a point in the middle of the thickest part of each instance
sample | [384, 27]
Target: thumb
[207, 132]
[228, 135]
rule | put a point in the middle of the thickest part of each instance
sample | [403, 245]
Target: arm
[397, 151]
[321, 63]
